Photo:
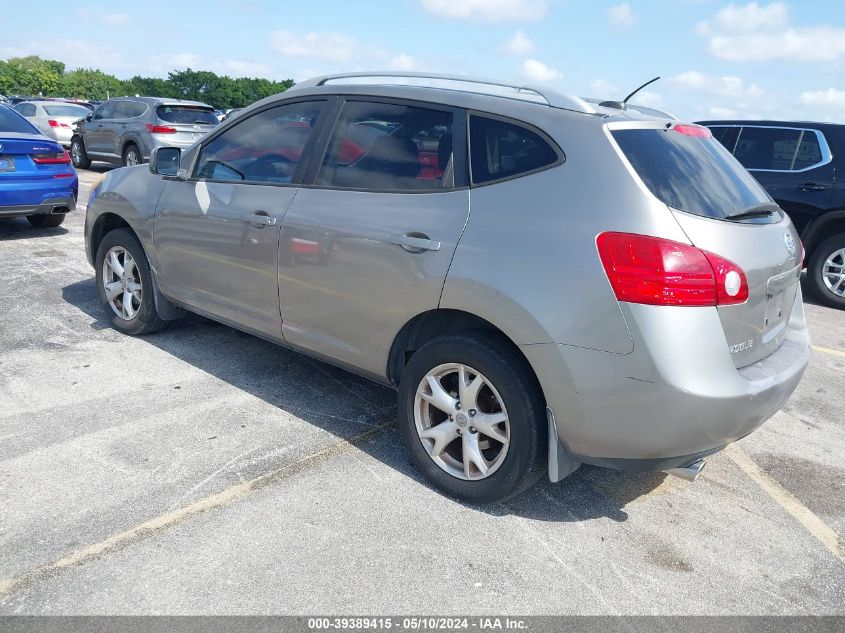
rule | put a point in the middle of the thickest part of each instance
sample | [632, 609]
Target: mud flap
[561, 464]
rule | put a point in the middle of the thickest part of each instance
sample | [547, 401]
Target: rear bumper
[676, 398]
[46, 207]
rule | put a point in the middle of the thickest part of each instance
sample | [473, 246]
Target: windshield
[67, 110]
[691, 172]
[11, 121]
[186, 114]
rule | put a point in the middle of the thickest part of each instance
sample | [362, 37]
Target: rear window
[67, 110]
[691, 173]
[186, 114]
[11, 121]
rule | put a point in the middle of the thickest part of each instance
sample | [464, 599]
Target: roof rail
[521, 92]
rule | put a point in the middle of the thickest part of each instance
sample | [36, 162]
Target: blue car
[37, 179]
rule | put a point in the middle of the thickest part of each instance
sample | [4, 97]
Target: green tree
[87, 83]
[30, 75]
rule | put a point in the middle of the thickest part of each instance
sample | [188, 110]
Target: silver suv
[547, 282]
[125, 130]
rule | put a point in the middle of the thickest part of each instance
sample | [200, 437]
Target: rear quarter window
[501, 149]
[11, 121]
[695, 174]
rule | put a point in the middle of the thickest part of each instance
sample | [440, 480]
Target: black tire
[146, 320]
[78, 155]
[45, 221]
[815, 268]
[515, 382]
[131, 148]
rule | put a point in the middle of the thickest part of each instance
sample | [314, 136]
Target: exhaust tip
[688, 473]
[59, 210]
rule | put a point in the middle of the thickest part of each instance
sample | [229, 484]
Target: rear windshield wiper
[754, 212]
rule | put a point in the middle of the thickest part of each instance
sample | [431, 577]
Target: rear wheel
[125, 284]
[826, 271]
[132, 156]
[44, 221]
[77, 154]
[472, 417]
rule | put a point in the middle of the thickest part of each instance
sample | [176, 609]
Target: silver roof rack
[521, 92]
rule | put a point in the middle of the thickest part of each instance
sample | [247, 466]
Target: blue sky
[717, 59]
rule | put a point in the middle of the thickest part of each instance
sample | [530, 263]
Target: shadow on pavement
[21, 229]
[344, 404]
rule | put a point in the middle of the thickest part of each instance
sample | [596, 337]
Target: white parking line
[789, 502]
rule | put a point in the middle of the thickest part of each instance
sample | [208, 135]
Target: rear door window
[500, 149]
[174, 113]
[11, 121]
[389, 147]
[690, 172]
[26, 109]
[265, 147]
[767, 147]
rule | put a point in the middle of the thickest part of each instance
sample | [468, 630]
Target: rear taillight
[54, 158]
[655, 271]
[159, 129]
[54, 123]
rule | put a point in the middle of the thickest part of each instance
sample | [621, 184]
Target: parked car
[36, 177]
[53, 119]
[801, 166]
[568, 283]
[125, 130]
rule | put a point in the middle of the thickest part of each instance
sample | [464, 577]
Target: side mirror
[165, 161]
[88, 117]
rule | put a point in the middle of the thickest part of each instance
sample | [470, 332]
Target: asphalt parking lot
[202, 470]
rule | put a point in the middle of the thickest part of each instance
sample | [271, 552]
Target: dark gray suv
[125, 130]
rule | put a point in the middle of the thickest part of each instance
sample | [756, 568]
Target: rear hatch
[63, 116]
[723, 210]
[182, 124]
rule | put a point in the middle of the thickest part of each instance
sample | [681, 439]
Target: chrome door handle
[260, 218]
[811, 186]
[414, 243]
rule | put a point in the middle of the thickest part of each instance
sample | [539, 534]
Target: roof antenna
[622, 105]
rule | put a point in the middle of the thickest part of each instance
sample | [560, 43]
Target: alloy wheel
[122, 283]
[461, 421]
[132, 158]
[76, 153]
[833, 272]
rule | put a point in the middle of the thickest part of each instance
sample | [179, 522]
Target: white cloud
[723, 113]
[829, 97]
[116, 19]
[492, 10]
[760, 33]
[603, 89]
[648, 99]
[402, 62]
[519, 44]
[538, 71]
[621, 16]
[722, 86]
[337, 47]
[241, 68]
[75, 53]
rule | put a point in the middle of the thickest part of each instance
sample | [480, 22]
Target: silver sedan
[54, 119]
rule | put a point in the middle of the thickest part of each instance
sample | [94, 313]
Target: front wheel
[473, 418]
[77, 154]
[125, 284]
[826, 271]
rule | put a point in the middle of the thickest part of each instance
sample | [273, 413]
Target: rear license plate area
[778, 310]
[7, 163]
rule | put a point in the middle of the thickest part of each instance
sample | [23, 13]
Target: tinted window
[11, 121]
[691, 173]
[809, 151]
[25, 109]
[265, 147]
[105, 111]
[500, 150]
[389, 147]
[767, 147]
[66, 110]
[186, 114]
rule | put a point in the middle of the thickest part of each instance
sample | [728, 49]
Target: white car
[54, 119]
